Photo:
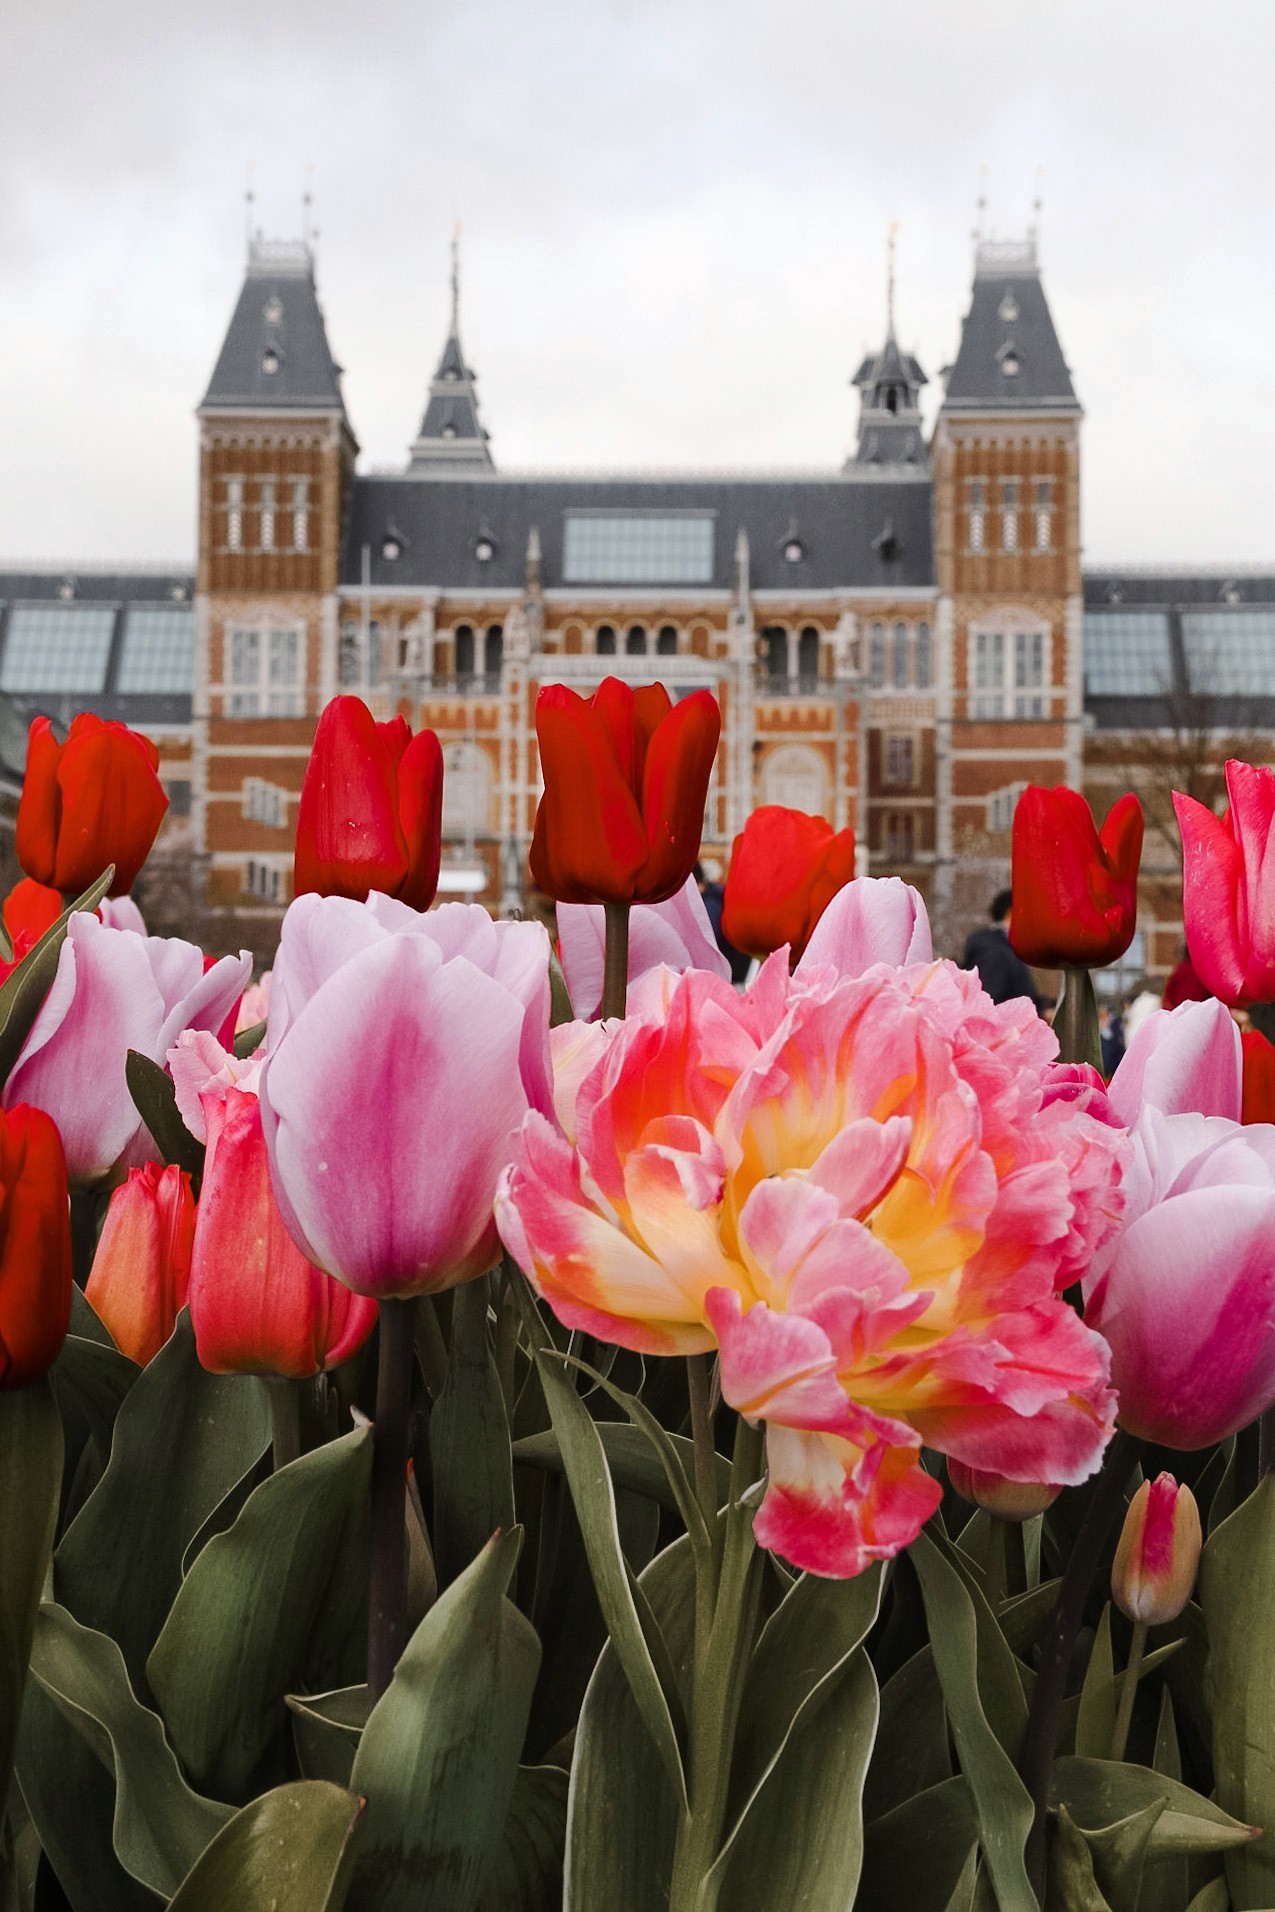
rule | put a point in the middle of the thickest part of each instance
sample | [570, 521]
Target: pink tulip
[114, 991]
[677, 933]
[121, 912]
[1185, 1295]
[874, 919]
[404, 1052]
[256, 1304]
[860, 1193]
[1228, 886]
[1158, 1554]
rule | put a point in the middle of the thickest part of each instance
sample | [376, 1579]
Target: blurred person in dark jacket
[1001, 970]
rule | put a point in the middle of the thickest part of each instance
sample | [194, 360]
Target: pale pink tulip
[1184, 1061]
[200, 1066]
[121, 912]
[874, 919]
[404, 1052]
[677, 933]
[114, 991]
[859, 1192]
[1228, 886]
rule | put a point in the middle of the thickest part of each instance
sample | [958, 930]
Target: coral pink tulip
[677, 933]
[857, 1190]
[1228, 886]
[141, 1269]
[874, 919]
[256, 1304]
[114, 991]
[1158, 1553]
[1185, 1296]
[404, 1052]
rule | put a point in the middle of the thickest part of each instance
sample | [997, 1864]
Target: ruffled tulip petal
[833, 1508]
[874, 919]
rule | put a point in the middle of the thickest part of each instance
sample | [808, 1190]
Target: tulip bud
[371, 810]
[1075, 886]
[91, 801]
[1155, 1564]
[137, 1285]
[1007, 1499]
[785, 868]
[35, 1246]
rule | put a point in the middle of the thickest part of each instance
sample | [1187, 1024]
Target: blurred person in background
[1001, 970]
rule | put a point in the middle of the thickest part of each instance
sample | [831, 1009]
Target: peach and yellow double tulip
[859, 1190]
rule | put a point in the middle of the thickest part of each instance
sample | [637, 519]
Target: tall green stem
[1036, 1760]
[1076, 1020]
[615, 973]
[387, 1580]
[724, 1629]
[285, 1419]
[699, 1388]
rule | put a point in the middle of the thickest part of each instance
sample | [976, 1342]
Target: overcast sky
[674, 217]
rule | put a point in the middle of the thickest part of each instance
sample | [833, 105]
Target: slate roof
[277, 322]
[856, 532]
[1009, 323]
[116, 592]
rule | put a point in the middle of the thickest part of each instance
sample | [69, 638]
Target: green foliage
[291, 1850]
[155, 1100]
[469, 1442]
[30, 1479]
[1237, 1574]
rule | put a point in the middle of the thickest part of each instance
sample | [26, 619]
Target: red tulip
[141, 1270]
[626, 777]
[785, 869]
[371, 813]
[35, 1246]
[93, 800]
[1228, 886]
[29, 909]
[256, 1304]
[1075, 887]
[1259, 1077]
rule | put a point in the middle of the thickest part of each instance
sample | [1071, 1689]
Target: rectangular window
[640, 547]
[1009, 515]
[876, 657]
[262, 880]
[159, 650]
[989, 675]
[1230, 652]
[1029, 674]
[899, 761]
[234, 514]
[1127, 654]
[1001, 806]
[300, 514]
[265, 803]
[57, 647]
[265, 673]
[267, 515]
[977, 509]
[900, 841]
[1044, 501]
[1010, 674]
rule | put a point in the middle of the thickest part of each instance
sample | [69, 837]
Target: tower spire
[456, 279]
[889, 278]
[451, 440]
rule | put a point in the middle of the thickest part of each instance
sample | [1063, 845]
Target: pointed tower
[889, 385]
[1006, 459]
[451, 440]
[276, 460]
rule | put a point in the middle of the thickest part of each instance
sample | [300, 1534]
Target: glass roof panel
[57, 647]
[637, 548]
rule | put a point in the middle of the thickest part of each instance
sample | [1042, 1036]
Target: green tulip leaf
[634, 1465]
[964, 1894]
[1004, 1809]
[30, 1483]
[560, 1009]
[155, 1100]
[1001, 1677]
[1096, 1719]
[326, 1730]
[1073, 1881]
[23, 991]
[469, 1443]
[241, 1632]
[248, 1041]
[291, 1850]
[916, 1855]
[1100, 1792]
[438, 1758]
[90, 1382]
[183, 1440]
[801, 1841]
[640, 1652]
[1237, 1572]
[912, 1751]
[527, 1873]
[1213, 1897]
[160, 1824]
[623, 1810]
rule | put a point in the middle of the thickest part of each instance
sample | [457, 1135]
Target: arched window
[774, 652]
[493, 655]
[924, 665]
[464, 651]
[666, 642]
[899, 672]
[467, 785]
[796, 776]
[635, 642]
[808, 657]
[605, 645]
[876, 657]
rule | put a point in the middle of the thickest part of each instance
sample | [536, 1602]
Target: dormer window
[66, 589]
[1010, 362]
[391, 548]
[270, 361]
[794, 551]
[449, 430]
[1230, 592]
[273, 310]
[1008, 309]
[484, 547]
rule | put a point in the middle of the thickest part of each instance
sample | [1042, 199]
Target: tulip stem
[285, 1419]
[615, 972]
[1076, 1023]
[1266, 1443]
[1129, 1689]
[699, 1387]
[1035, 1763]
[387, 1585]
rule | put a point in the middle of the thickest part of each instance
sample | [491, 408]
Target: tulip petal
[1182, 1061]
[1212, 871]
[36, 831]
[588, 843]
[420, 809]
[833, 1508]
[349, 839]
[874, 919]
[675, 778]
